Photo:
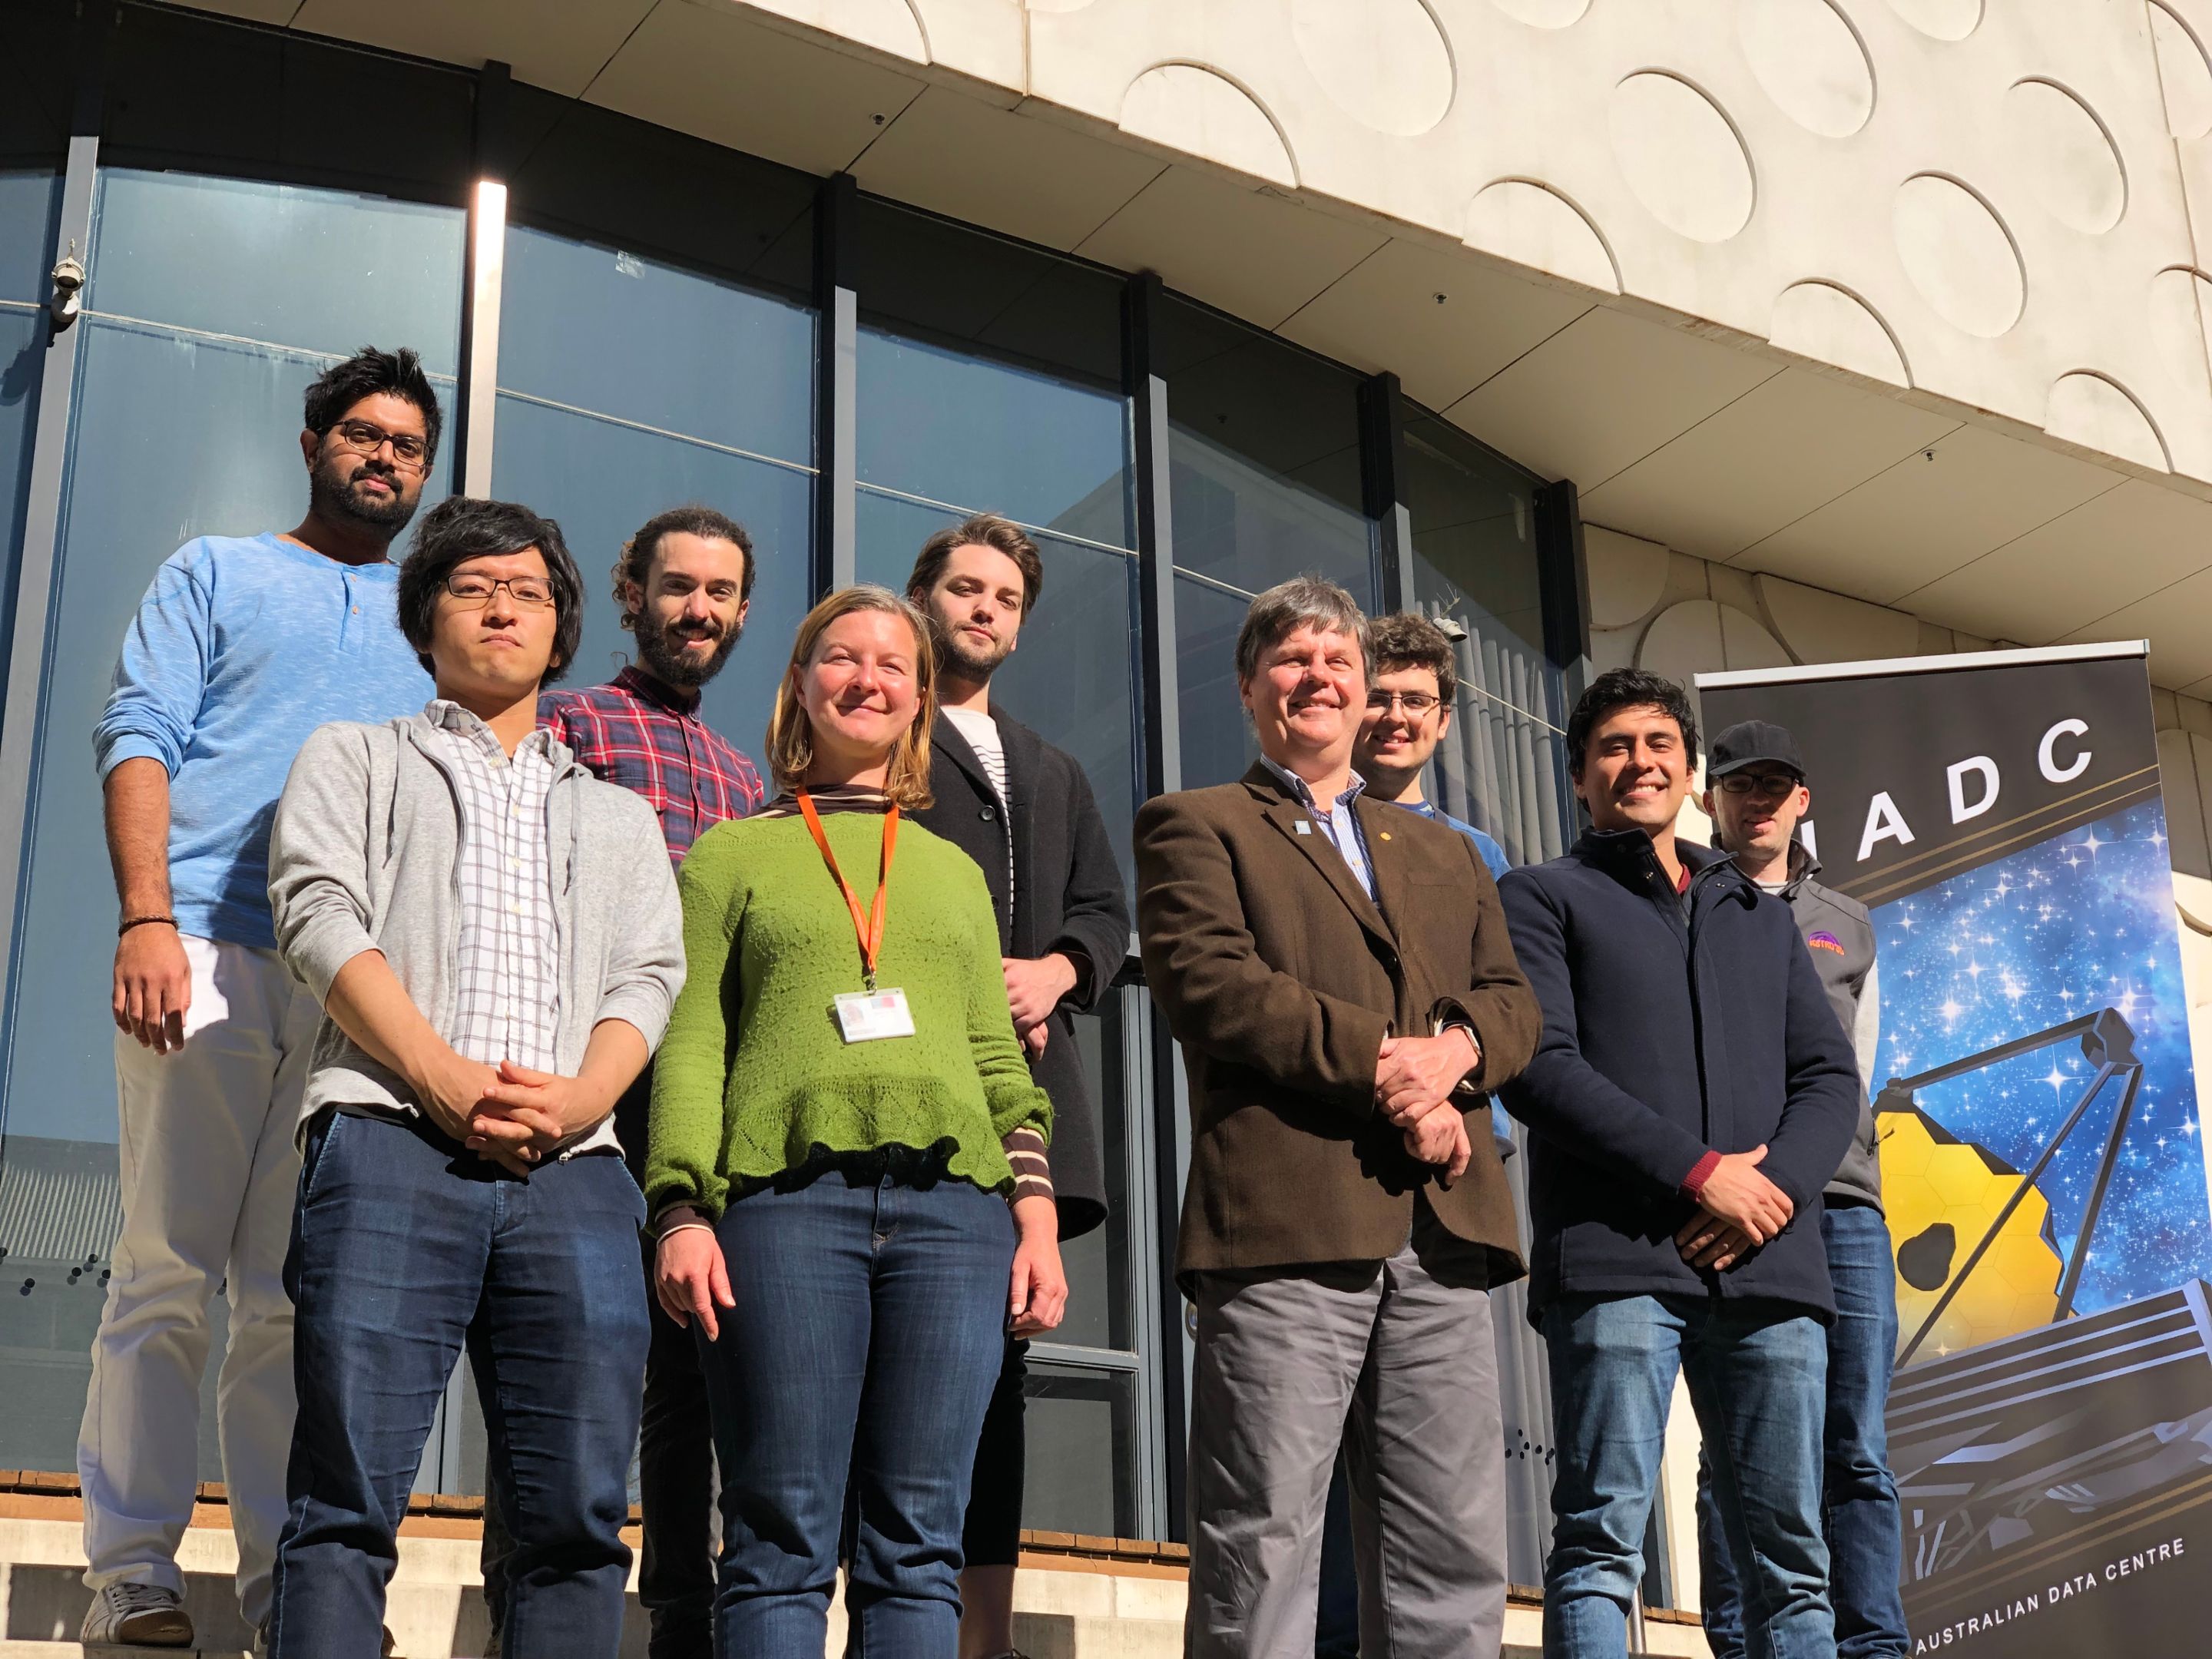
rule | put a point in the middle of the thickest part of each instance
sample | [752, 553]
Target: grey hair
[1308, 601]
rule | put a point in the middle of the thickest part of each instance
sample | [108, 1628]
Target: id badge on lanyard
[877, 1012]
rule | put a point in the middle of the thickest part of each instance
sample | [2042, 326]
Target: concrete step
[435, 1605]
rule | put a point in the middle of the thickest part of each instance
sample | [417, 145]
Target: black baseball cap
[1753, 743]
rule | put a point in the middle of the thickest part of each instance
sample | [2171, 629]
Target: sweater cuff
[1693, 1184]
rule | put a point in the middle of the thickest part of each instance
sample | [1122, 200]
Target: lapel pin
[1386, 834]
[1303, 827]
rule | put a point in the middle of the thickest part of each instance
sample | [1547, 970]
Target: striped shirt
[507, 1005]
[648, 738]
[982, 733]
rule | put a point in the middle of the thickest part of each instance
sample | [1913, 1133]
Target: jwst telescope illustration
[2056, 1470]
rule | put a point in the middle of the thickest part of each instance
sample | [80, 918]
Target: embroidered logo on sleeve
[1826, 941]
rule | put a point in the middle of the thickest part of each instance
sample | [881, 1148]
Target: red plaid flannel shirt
[637, 733]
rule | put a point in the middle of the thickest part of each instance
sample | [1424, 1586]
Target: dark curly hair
[636, 564]
[465, 527]
[1628, 688]
[364, 374]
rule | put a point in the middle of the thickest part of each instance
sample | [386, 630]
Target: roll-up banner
[2043, 1162]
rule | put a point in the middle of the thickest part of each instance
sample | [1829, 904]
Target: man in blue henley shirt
[240, 648]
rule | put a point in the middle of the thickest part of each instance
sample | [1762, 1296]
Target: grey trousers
[1395, 1360]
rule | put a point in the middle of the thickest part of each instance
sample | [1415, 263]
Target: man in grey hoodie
[494, 937]
[1755, 795]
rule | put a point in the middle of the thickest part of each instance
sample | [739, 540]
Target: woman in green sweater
[847, 1157]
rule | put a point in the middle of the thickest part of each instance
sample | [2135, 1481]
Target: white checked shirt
[507, 1005]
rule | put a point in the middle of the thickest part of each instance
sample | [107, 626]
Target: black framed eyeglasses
[1413, 702]
[473, 592]
[408, 450]
[1776, 784]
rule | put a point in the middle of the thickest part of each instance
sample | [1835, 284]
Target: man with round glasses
[1409, 710]
[1756, 796]
[242, 646]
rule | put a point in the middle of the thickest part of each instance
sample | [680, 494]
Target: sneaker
[144, 1615]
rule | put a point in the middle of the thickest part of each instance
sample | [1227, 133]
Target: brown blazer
[1281, 979]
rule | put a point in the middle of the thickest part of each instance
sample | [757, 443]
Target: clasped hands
[1414, 1078]
[1739, 1209]
[508, 1113]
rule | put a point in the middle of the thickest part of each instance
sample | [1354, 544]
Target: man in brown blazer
[1339, 975]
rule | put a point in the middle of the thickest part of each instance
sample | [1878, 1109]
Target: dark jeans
[675, 1466]
[675, 1492]
[404, 1247]
[991, 1535]
[868, 1333]
[1860, 1508]
[1757, 1374]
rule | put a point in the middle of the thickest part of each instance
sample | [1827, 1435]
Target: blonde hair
[791, 734]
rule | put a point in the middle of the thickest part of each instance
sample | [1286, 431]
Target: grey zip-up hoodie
[1840, 935]
[365, 856]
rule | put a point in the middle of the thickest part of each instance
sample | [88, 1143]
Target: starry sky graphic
[2082, 921]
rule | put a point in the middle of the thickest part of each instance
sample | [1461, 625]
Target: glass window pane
[228, 257]
[1218, 745]
[1264, 470]
[1475, 571]
[960, 429]
[600, 329]
[175, 434]
[1081, 1439]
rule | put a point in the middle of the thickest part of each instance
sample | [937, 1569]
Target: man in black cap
[1755, 794]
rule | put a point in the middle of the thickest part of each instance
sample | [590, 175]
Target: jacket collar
[1628, 856]
[1803, 867]
[421, 730]
[1287, 812]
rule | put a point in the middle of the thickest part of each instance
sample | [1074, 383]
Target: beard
[341, 500]
[660, 649]
[955, 654]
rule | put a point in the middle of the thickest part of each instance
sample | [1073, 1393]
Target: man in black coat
[1690, 1095]
[1022, 809]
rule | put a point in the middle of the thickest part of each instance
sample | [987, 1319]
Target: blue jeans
[404, 1247]
[1757, 1374]
[1865, 1541]
[869, 1331]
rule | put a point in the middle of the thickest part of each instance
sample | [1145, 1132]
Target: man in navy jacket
[1690, 1095]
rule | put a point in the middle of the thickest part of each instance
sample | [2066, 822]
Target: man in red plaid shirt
[683, 583]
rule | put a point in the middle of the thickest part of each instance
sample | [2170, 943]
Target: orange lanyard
[867, 925]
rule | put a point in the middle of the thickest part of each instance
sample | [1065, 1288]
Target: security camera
[68, 280]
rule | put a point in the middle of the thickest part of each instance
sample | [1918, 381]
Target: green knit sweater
[753, 1077]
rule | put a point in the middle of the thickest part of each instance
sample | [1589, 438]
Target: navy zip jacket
[1666, 1037]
